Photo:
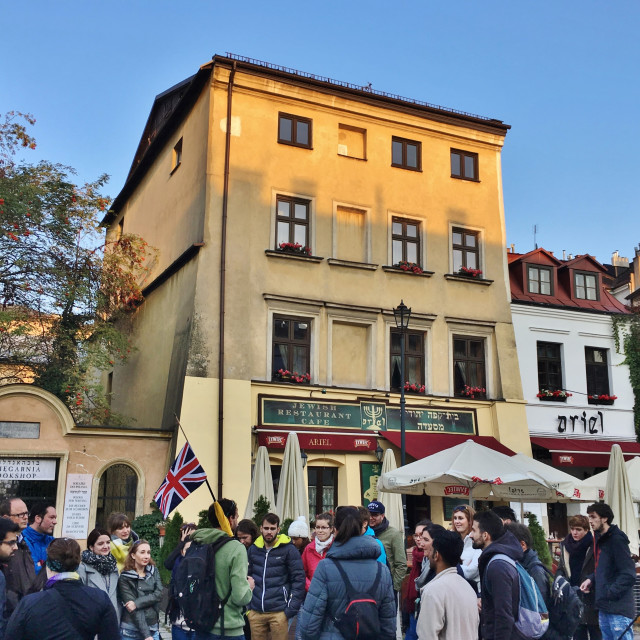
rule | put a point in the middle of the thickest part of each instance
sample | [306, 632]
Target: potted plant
[285, 375]
[294, 247]
[470, 273]
[472, 392]
[557, 395]
[603, 398]
[413, 388]
[408, 266]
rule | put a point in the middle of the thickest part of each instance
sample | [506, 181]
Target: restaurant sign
[364, 415]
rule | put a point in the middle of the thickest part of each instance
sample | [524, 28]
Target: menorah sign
[374, 416]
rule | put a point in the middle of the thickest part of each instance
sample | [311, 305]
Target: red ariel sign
[319, 441]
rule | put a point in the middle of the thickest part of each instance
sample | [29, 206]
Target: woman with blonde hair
[140, 590]
[461, 523]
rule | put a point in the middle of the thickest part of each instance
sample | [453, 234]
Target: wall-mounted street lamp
[304, 457]
[379, 452]
[402, 314]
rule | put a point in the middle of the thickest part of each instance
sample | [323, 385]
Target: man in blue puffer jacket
[38, 535]
[276, 567]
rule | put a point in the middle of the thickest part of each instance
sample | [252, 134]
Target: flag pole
[187, 439]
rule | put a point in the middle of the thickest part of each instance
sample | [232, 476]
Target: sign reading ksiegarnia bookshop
[77, 501]
[27, 469]
[364, 415]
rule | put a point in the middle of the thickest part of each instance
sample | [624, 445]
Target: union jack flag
[184, 477]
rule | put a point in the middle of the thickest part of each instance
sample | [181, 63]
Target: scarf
[59, 577]
[104, 565]
[383, 526]
[321, 547]
[577, 550]
[417, 556]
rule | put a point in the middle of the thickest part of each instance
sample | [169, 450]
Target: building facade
[578, 394]
[292, 214]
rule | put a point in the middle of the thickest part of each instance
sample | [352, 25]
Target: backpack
[566, 608]
[195, 586]
[359, 620]
[533, 617]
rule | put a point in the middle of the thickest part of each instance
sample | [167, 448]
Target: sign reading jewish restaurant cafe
[27, 469]
[364, 415]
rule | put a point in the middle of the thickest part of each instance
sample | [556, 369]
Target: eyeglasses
[323, 528]
[10, 543]
[24, 514]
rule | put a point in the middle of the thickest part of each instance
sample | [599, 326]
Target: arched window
[117, 492]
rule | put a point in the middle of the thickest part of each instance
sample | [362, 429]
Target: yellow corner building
[292, 214]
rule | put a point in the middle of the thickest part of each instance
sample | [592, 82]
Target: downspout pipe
[223, 259]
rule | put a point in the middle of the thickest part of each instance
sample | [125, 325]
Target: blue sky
[564, 74]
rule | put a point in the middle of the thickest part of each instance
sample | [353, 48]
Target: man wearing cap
[393, 542]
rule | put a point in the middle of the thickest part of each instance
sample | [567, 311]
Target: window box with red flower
[408, 266]
[410, 387]
[284, 375]
[469, 273]
[558, 395]
[603, 398]
[294, 247]
[473, 392]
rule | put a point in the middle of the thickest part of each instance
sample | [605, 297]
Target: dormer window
[539, 280]
[586, 286]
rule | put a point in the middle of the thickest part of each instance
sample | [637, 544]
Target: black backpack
[565, 609]
[359, 620]
[194, 590]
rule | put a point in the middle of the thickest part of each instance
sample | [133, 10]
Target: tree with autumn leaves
[67, 296]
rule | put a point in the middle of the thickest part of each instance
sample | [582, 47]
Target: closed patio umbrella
[392, 501]
[262, 482]
[617, 495]
[292, 500]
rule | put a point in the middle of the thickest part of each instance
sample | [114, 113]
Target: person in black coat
[66, 609]
[575, 565]
[614, 574]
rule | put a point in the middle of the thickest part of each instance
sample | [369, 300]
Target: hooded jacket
[37, 543]
[500, 589]
[615, 573]
[231, 579]
[20, 572]
[145, 593]
[383, 554]
[279, 576]
[107, 583]
[327, 595]
[532, 563]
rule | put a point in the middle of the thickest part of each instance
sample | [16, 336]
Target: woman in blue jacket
[327, 597]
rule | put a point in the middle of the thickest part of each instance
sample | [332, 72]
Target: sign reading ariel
[364, 415]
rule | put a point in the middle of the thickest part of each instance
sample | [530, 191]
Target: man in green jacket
[231, 578]
[393, 542]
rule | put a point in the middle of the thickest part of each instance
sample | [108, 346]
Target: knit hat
[375, 507]
[299, 528]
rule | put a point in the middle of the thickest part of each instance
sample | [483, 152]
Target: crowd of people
[349, 568]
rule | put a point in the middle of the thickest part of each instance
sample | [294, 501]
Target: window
[549, 366]
[323, 490]
[596, 362]
[413, 359]
[405, 240]
[177, 155]
[406, 154]
[586, 286]
[539, 280]
[352, 142]
[292, 221]
[291, 349]
[351, 234]
[117, 491]
[120, 228]
[466, 252]
[464, 165]
[468, 366]
[294, 130]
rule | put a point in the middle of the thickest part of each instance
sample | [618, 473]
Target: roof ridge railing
[348, 85]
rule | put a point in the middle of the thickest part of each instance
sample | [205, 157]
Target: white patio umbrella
[293, 500]
[392, 501]
[617, 495]
[599, 481]
[262, 482]
[567, 487]
[469, 470]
